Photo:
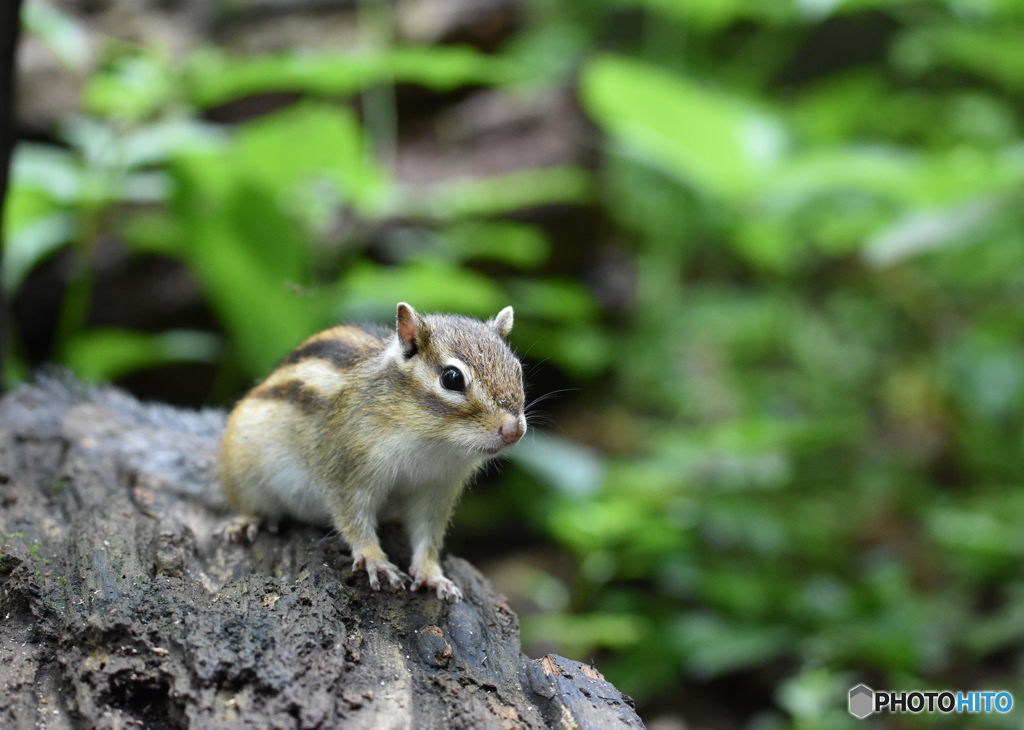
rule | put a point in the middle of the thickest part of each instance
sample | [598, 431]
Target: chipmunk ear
[502, 323]
[411, 329]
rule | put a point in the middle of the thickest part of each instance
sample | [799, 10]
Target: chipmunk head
[466, 378]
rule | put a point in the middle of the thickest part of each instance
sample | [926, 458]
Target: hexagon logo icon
[862, 701]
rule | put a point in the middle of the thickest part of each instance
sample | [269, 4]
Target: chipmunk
[363, 422]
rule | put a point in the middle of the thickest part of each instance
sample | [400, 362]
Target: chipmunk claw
[443, 587]
[375, 567]
[243, 528]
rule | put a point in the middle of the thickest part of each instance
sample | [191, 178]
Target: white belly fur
[277, 482]
[271, 477]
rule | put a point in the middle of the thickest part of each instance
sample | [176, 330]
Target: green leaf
[59, 31]
[709, 16]
[371, 292]
[30, 244]
[984, 370]
[95, 141]
[814, 695]
[266, 237]
[158, 142]
[583, 633]
[25, 205]
[569, 467]
[215, 78]
[711, 645]
[990, 52]
[561, 300]
[264, 316]
[46, 168]
[333, 148]
[716, 143]
[924, 231]
[883, 171]
[107, 354]
[516, 244]
[249, 258]
[154, 233]
[547, 53]
[130, 87]
[770, 243]
[36, 222]
[582, 348]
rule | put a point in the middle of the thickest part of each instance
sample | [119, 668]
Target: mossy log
[120, 608]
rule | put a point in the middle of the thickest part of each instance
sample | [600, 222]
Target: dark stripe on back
[340, 351]
[292, 391]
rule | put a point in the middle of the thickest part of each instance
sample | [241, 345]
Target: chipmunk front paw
[243, 528]
[445, 589]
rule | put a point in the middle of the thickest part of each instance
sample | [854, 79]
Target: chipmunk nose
[512, 429]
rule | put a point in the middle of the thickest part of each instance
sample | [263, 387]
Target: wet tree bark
[119, 607]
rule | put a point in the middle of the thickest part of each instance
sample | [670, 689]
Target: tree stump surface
[120, 608]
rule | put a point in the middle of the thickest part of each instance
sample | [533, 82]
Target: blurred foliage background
[770, 255]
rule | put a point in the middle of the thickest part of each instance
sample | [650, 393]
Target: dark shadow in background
[9, 27]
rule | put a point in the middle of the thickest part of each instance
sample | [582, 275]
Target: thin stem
[380, 113]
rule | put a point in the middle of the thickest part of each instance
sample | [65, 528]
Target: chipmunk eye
[453, 379]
